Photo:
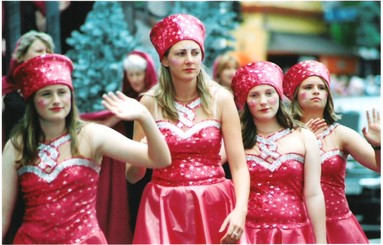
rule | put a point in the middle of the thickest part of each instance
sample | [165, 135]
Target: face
[136, 80]
[263, 102]
[228, 73]
[184, 60]
[312, 93]
[35, 49]
[53, 102]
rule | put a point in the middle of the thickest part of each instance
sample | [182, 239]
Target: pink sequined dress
[341, 224]
[188, 201]
[60, 199]
[276, 210]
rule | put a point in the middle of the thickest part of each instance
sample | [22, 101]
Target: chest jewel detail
[186, 113]
[48, 153]
[268, 146]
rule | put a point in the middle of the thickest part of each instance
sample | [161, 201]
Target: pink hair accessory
[175, 28]
[254, 74]
[300, 71]
[42, 71]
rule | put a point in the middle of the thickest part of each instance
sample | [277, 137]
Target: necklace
[185, 100]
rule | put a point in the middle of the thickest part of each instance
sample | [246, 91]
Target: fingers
[368, 116]
[110, 101]
[121, 95]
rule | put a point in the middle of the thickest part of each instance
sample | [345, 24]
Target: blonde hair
[165, 94]
[221, 63]
[26, 41]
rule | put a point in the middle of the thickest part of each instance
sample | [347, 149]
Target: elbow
[168, 161]
[134, 174]
[163, 162]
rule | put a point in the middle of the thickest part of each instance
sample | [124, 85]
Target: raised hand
[372, 131]
[123, 106]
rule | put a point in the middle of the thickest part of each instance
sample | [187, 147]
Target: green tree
[99, 48]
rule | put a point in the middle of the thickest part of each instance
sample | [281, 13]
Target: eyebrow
[187, 48]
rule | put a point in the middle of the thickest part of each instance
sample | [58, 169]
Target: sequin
[43, 70]
[276, 193]
[175, 28]
[60, 205]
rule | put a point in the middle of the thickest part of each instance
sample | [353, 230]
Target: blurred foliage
[219, 20]
[98, 51]
[354, 23]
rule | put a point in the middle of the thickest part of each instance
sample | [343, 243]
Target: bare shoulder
[148, 100]
[342, 129]
[221, 93]
[308, 135]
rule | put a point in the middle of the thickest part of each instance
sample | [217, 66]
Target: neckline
[282, 131]
[51, 141]
[186, 102]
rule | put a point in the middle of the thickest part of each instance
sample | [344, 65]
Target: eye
[307, 87]
[181, 53]
[45, 93]
[195, 52]
[322, 87]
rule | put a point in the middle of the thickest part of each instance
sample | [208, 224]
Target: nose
[189, 57]
[56, 98]
[262, 99]
[316, 90]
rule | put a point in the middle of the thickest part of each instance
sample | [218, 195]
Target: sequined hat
[42, 71]
[300, 71]
[175, 28]
[253, 74]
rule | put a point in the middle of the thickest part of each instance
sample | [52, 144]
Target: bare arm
[154, 154]
[313, 194]
[231, 129]
[133, 173]
[358, 147]
[9, 185]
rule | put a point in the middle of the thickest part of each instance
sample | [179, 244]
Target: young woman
[307, 84]
[55, 158]
[191, 201]
[286, 203]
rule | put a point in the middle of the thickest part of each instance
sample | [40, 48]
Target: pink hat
[300, 71]
[42, 71]
[253, 74]
[175, 28]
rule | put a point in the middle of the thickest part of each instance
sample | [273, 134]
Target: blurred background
[344, 35]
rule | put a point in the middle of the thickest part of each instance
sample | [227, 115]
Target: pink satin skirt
[183, 214]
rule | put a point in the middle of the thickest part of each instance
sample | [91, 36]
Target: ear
[165, 61]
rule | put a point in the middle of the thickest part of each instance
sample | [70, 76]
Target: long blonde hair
[165, 95]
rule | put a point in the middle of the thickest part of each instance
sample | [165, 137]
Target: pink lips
[56, 109]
